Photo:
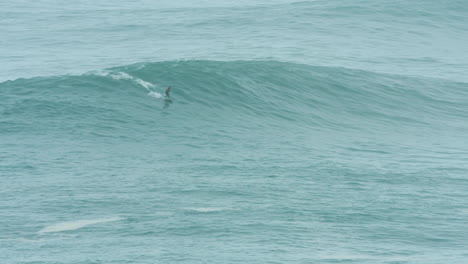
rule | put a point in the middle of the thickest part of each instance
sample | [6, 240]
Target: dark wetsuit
[168, 90]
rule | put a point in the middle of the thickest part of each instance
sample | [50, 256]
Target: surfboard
[168, 99]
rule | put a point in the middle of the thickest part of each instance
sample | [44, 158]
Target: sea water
[299, 132]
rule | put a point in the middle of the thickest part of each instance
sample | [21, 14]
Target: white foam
[147, 85]
[73, 225]
[124, 76]
[155, 94]
[121, 76]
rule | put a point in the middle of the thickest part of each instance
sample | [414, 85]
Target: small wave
[24, 240]
[206, 209]
[73, 225]
[37, 240]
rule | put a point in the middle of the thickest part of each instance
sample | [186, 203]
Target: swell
[235, 93]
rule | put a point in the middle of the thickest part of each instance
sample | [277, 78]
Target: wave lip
[77, 224]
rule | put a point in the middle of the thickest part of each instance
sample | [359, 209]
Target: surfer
[168, 91]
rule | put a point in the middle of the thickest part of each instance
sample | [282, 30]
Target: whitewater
[299, 132]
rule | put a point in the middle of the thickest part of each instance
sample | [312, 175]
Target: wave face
[233, 95]
[250, 156]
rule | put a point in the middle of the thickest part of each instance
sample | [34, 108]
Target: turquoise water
[299, 132]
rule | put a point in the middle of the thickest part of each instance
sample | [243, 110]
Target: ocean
[298, 132]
